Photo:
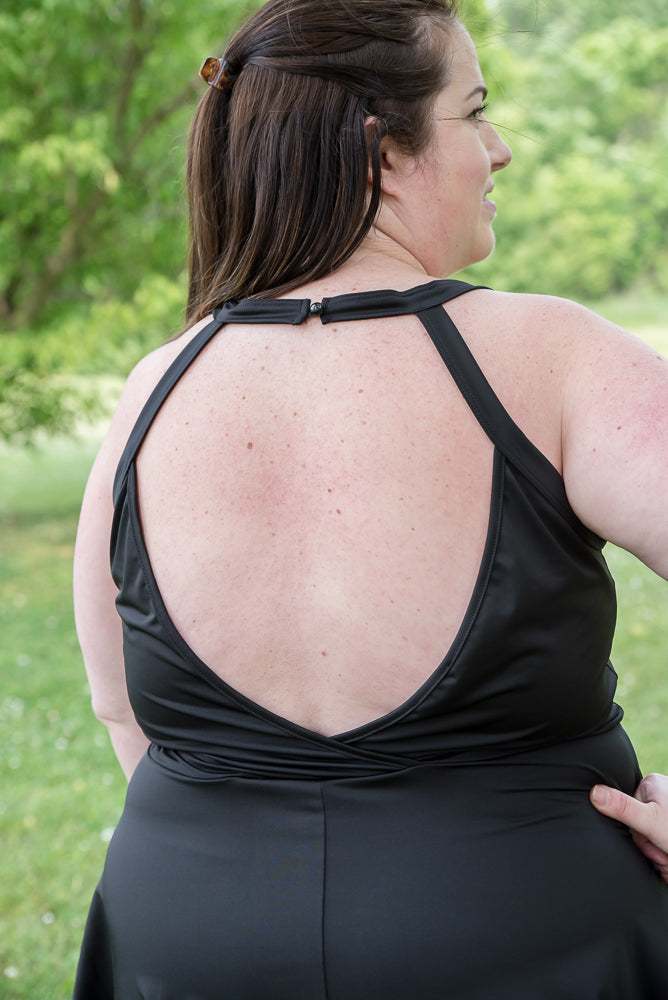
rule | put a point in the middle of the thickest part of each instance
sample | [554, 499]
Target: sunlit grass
[640, 655]
[60, 788]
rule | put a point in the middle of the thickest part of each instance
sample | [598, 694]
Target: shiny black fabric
[446, 850]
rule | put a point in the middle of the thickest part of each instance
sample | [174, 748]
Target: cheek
[472, 174]
[473, 162]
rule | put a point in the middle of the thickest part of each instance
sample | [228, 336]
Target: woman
[362, 608]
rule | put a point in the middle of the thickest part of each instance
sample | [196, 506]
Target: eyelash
[477, 112]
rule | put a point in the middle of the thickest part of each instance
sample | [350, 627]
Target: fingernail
[600, 794]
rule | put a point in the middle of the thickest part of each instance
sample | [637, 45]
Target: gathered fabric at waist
[607, 757]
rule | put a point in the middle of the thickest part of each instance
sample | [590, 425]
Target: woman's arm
[98, 624]
[615, 434]
[615, 469]
[97, 621]
[646, 813]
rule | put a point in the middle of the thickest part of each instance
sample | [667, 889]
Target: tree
[97, 99]
[584, 206]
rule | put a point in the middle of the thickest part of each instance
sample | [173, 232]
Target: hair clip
[217, 73]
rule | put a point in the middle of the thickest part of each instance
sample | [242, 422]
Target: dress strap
[163, 388]
[378, 304]
[375, 304]
[357, 305]
[492, 416]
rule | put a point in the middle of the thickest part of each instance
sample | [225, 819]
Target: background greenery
[97, 98]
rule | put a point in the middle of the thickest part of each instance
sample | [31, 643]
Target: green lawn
[61, 790]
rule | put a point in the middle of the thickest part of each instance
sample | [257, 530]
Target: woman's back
[315, 502]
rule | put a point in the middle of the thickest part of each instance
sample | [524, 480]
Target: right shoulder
[140, 383]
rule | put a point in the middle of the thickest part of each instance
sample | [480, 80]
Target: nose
[500, 152]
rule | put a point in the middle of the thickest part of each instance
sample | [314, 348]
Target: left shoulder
[593, 397]
[587, 351]
[615, 433]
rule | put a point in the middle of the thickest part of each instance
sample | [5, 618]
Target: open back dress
[446, 851]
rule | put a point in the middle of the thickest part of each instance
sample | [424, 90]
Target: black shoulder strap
[357, 305]
[377, 304]
[490, 413]
[157, 398]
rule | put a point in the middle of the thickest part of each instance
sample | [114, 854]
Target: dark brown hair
[278, 162]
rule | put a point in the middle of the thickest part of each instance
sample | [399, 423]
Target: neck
[382, 260]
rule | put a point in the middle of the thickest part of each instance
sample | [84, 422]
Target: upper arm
[615, 434]
[97, 621]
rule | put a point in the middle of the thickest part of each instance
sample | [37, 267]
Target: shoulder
[147, 373]
[537, 325]
[590, 395]
[611, 399]
[580, 342]
[530, 313]
[138, 387]
[143, 379]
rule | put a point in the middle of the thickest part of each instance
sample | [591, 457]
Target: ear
[392, 160]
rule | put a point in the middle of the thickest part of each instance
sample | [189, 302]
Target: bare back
[315, 502]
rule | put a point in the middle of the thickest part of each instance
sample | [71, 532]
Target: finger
[644, 817]
[637, 814]
[658, 857]
[652, 788]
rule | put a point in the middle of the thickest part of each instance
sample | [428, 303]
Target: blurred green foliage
[93, 125]
[97, 100]
[96, 103]
[580, 92]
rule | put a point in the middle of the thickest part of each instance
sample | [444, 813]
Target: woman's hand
[646, 813]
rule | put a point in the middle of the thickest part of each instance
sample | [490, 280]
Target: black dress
[446, 851]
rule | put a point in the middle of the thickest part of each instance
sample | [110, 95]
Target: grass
[61, 790]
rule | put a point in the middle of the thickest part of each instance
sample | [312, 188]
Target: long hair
[278, 162]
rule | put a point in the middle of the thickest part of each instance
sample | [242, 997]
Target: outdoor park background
[96, 103]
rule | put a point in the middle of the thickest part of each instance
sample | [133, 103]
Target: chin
[473, 254]
[485, 250]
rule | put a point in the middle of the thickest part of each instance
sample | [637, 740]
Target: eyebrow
[480, 89]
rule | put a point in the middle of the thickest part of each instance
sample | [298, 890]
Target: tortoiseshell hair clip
[217, 73]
